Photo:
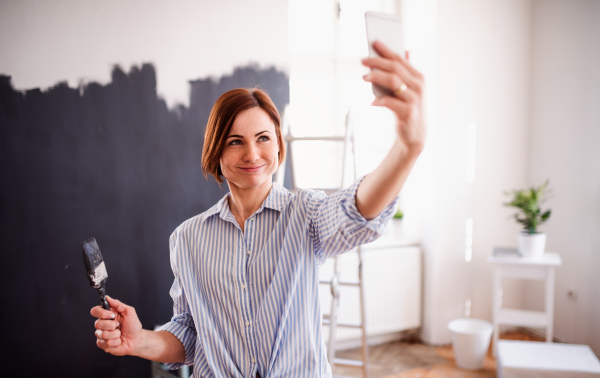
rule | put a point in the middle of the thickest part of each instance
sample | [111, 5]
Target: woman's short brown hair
[221, 118]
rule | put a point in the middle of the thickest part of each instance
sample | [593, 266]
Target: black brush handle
[103, 297]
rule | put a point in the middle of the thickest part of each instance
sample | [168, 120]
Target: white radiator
[392, 282]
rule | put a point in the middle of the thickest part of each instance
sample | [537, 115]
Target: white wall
[43, 42]
[480, 73]
[565, 148]
[527, 73]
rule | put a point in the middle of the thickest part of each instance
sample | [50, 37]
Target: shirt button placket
[248, 240]
[249, 235]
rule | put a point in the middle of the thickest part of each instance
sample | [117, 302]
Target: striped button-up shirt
[248, 302]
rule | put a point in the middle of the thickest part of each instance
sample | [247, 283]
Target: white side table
[530, 269]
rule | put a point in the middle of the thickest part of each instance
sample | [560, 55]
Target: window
[327, 41]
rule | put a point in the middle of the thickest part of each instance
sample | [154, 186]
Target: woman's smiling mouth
[253, 168]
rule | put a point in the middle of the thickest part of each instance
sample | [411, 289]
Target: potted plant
[531, 242]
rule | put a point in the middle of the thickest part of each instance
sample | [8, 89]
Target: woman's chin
[250, 182]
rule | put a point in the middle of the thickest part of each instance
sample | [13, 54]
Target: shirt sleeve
[182, 324]
[338, 226]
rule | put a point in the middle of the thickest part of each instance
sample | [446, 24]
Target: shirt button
[249, 252]
[253, 360]
[247, 323]
[243, 286]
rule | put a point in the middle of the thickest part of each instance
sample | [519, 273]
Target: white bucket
[470, 341]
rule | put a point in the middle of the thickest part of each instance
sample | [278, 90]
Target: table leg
[549, 303]
[496, 305]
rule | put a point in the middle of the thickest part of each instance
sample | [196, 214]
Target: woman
[246, 271]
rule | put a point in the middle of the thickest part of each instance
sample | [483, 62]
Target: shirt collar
[217, 207]
[275, 200]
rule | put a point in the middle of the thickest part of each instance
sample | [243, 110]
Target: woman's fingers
[393, 66]
[108, 339]
[383, 63]
[106, 325]
[99, 312]
[392, 82]
[118, 330]
[107, 344]
[117, 306]
[396, 65]
[402, 109]
[386, 52]
[119, 335]
[395, 73]
[108, 335]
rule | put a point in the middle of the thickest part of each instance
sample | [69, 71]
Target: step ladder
[331, 319]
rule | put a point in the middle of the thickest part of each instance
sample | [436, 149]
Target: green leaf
[399, 214]
[546, 215]
[528, 202]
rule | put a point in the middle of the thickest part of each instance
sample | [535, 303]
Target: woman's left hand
[393, 72]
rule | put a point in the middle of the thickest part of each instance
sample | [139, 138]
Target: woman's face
[249, 157]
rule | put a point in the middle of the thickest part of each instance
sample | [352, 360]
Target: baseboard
[408, 336]
[540, 333]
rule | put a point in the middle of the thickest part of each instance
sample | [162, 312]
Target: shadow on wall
[108, 161]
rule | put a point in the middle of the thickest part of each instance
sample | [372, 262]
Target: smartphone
[387, 29]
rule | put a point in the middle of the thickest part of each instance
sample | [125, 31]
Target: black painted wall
[108, 161]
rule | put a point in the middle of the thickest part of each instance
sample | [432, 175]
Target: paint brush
[95, 268]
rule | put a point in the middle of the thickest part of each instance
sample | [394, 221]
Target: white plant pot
[532, 245]
[394, 228]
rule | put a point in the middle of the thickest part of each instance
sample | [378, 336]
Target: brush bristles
[100, 274]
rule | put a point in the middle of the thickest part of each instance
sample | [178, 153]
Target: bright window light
[469, 240]
[325, 82]
[468, 308]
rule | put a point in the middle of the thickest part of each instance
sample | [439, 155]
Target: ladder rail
[335, 283]
[363, 317]
[335, 296]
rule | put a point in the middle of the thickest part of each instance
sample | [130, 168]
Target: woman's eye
[235, 142]
[263, 138]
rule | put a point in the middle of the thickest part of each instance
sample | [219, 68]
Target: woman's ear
[278, 145]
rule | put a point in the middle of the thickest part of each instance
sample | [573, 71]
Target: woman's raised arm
[382, 185]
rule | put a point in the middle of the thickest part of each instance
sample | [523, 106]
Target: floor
[414, 360]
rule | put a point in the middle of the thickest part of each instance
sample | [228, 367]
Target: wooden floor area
[415, 360]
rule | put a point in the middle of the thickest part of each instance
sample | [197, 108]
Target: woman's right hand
[118, 331]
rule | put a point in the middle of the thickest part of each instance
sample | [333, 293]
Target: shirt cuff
[358, 223]
[187, 337]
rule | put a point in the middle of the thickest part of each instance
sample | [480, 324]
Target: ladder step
[345, 362]
[342, 283]
[342, 324]
[290, 138]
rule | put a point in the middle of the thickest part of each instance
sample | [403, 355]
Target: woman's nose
[251, 153]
